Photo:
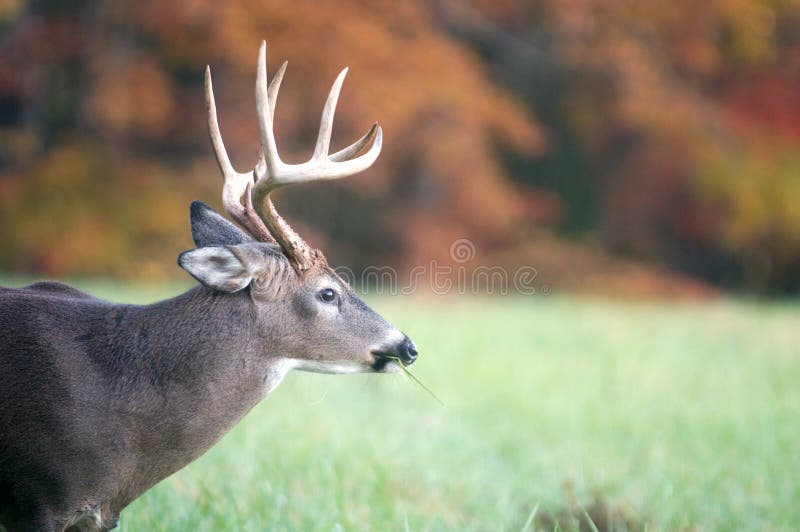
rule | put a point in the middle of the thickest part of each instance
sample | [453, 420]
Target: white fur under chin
[276, 373]
[280, 368]
[330, 366]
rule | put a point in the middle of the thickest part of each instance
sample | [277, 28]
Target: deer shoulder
[56, 289]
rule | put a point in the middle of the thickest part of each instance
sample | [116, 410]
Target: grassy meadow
[639, 415]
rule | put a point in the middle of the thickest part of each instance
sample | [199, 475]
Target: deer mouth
[384, 362]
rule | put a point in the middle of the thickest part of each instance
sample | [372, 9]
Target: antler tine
[274, 87]
[264, 110]
[272, 93]
[213, 130]
[355, 148]
[326, 123]
[235, 185]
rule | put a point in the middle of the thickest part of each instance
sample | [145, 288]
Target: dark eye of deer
[327, 295]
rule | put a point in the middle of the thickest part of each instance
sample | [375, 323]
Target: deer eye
[328, 295]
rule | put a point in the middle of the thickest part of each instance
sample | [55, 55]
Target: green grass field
[658, 416]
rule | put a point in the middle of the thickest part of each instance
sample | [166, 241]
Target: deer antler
[257, 214]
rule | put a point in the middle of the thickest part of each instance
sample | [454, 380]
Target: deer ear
[209, 228]
[216, 267]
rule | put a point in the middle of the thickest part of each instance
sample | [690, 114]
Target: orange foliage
[687, 116]
[134, 85]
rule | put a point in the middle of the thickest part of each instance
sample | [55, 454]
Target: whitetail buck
[100, 401]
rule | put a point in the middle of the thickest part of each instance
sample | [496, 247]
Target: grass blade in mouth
[415, 379]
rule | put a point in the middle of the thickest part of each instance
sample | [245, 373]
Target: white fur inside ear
[216, 267]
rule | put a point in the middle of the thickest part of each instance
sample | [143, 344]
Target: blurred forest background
[626, 147]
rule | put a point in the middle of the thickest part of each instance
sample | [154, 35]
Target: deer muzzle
[404, 351]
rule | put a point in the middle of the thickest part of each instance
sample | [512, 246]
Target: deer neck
[196, 367]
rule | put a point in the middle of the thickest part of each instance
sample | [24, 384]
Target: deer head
[304, 311]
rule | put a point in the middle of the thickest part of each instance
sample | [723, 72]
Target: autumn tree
[104, 124]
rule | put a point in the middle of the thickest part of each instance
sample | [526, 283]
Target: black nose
[407, 351]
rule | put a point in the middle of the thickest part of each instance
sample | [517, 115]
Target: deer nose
[407, 351]
[404, 351]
